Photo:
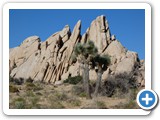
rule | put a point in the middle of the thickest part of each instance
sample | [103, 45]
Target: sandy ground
[49, 97]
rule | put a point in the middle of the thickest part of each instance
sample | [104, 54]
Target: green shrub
[100, 105]
[19, 103]
[54, 103]
[29, 86]
[74, 102]
[73, 80]
[34, 101]
[57, 105]
[40, 85]
[11, 79]
[83, 94]
[29, 80]
[39, 93]
[18, 81]
[32, 86]
[29, 93]
[60, 96]
[57, 96]
[13, 89]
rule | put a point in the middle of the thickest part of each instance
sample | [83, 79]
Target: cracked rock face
[50, 61]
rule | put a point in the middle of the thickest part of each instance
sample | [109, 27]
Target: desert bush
[118, 85]
[53, 103]
[34, 102]
[32, 86]
[29, 93]
[29, 86]
[57, 96]
[83, 94]
[108, 88]
[57, 105]
[40, 85]
[73, 80]
[39, 93]
[11, 79]
[74, 102]
[60, 96]
[19, 103]
[100, 105]
[17, 81]
[29, 80]
[13, 89]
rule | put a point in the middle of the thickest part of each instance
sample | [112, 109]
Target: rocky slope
[50, 61]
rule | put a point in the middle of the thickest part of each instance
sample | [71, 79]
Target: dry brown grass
[66, 96]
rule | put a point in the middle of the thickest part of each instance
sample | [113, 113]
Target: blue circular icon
[147, 99]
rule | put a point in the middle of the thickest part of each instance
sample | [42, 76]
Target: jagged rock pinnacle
[50, 61]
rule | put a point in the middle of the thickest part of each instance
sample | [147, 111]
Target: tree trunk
[86, 81]
[83, 77]
[98, 83]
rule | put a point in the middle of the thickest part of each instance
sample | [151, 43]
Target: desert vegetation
[119, 94]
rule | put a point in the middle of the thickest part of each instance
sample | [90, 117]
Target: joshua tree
[101, 62]
[85, 53]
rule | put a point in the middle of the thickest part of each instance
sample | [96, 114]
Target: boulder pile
[50, 61]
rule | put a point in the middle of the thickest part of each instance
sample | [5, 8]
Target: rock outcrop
[50, 61]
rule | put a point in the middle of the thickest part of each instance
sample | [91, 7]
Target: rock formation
[50, 61]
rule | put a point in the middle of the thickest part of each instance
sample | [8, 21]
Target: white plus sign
[147, 99]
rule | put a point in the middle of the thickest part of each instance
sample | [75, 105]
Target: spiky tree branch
[85, 54]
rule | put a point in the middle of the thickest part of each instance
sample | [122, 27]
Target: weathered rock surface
[128, 63]
[99, 33]
[50, 61]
